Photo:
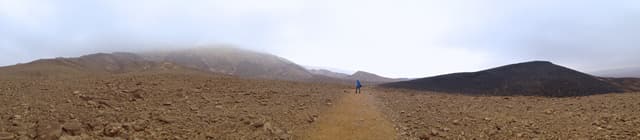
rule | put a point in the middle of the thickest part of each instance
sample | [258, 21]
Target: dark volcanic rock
[539, 78]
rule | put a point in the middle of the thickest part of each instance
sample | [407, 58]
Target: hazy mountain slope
[370, 77]
[328, 73]
[99, 63]
[233, 61]
[626, 84]
[530, 78]
[623, 72]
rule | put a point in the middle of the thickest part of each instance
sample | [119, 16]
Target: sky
[393, 38]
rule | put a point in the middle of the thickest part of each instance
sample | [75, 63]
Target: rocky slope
[93, 64]
[328, 73]
[233, 61]
[530, 78]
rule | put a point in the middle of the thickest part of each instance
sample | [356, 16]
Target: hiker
[358, 86]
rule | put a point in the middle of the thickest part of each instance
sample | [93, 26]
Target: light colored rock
[257, 124]
[456, 122]
[72, 127]
[67, 137]
[113, 129]
[48, 130]
[167, 119]
[140, 125]
[6, 136]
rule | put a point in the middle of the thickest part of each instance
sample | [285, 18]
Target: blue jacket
[358, 85]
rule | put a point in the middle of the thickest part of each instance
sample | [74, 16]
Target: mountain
[214, 60]
[621, 72]
[233, 61]
[328, 73]
[365, 77]
[539, 78]
[99, 63]
[218, 60]
[370, 77]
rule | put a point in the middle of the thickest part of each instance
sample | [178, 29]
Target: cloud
[399, 38]
[27, 13]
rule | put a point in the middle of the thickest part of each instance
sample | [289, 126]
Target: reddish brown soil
[428, 115]
[353, 117]
[159, 106]
[170, 105]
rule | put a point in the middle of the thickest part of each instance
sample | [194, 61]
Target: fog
[394, 38]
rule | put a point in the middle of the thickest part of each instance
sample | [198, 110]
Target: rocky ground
[427, 115]
[170, 105]
[159, 106]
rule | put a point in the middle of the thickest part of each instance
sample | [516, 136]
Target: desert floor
[189, 106]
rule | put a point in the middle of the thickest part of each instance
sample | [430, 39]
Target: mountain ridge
[538, 78]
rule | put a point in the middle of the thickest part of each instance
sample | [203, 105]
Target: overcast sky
[395, 38]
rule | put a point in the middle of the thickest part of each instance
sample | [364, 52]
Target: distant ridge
[328, 73]
[233, 61]
[365, 77]
[629, 72]
[209, 60]
[92, 64]
[370, 77]
[539, 78]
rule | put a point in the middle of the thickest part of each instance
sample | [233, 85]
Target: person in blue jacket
[358, 86]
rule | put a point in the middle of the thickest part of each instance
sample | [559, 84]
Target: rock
[312, 118]
[446, 129]
[434, 132]
[48, 130]
[113, 129]
[167, 103]
[487, 119]
[456, 122]
[193, 108]
[167, 119]
[423, 137]
[76, 92]
[548, 111]
[16, 117]
[219, 106]
[72, 127]
[140, 125]
[112, 138]
[137, 95]
[67, 137]
[257, 124]
[196, 90]
[92, 103]
[284, 136]
[6, 136]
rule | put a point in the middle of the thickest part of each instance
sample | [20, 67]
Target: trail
[353, 117]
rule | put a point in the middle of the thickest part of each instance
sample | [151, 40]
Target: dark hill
[538, 78]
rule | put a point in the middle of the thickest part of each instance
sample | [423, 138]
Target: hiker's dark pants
[358, 90]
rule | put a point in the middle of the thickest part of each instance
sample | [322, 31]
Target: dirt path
[353, 117]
